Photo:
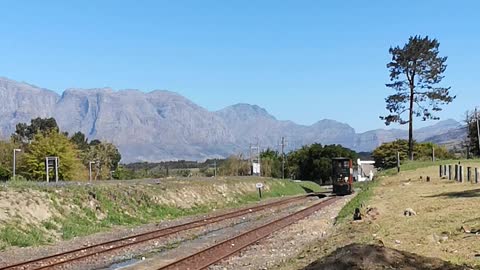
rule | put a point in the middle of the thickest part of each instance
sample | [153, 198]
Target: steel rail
[104, 247]
[211, 255]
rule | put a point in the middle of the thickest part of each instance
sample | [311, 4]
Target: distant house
[365, 170]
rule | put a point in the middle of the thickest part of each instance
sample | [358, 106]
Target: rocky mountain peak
[163, 125]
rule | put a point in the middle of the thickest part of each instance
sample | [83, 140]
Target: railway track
[76, 255]
[223, 250]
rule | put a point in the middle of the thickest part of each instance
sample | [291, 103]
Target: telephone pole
[215, 170]
[255, 159]
[478, 130]
[283, 157]
[398, 161]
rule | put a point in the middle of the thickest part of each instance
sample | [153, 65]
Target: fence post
[476, 175]
[469, 174]
[441, 171]
[449, 172]
[456, 172]
[461, 173]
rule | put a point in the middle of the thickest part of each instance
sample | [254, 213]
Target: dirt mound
[358, 256]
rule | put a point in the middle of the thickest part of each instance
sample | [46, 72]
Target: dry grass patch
[442, 208]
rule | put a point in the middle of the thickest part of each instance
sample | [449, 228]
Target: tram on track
[342, 176]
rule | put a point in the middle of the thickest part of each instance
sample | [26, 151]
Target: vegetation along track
[218, 252]
[76, 255]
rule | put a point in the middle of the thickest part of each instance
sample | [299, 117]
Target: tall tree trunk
[410, 125]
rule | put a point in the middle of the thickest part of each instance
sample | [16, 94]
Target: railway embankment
[411, 220]
[36, 214]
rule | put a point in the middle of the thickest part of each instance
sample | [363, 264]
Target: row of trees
[42, 138]
[311, 162]
[385, 156]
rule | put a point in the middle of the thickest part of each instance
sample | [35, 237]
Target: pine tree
[415, 71]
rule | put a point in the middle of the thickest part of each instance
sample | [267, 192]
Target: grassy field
[443, 207]
[37, 215]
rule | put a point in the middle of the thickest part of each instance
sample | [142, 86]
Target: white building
[366, 170]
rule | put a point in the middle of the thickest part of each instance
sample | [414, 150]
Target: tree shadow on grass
[312, 193]
[458, 194]
[308, 190]
[357, 256]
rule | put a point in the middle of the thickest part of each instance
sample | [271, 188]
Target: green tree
[52, 144]
[416, 70]
[314, 162]
[385, 156]
[6, 160]
[95, 142]
[122, 173]
[424, 151]
[80, 140]
[472, 131]
[106, 157]
[271, 163]
[235, 166]
[25, 133]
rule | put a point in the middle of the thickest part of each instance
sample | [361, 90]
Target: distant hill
[163, 125]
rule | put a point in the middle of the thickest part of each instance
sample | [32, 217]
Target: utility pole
[283, 157]
[215, 170]
[478, 130]
[433, 153]
[14, 161]
[255, 159]
[398, 161]
[90, 170]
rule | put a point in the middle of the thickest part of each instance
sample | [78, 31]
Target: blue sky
[301, 60]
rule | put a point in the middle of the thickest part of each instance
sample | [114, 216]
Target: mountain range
[163, 125]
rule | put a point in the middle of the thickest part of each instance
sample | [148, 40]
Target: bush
[385, 156]
[4, 174]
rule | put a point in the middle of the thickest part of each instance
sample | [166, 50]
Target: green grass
[49, 225]
[13, 235]
[364, 192]
[414, 165]
[143, 211]
[131, 206]
[279, 188]
[311, 186]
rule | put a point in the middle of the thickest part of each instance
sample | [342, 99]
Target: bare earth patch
[359, 256]
[32, 206]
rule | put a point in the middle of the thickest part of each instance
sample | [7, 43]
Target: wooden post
[460, 173]
[449, 172]
[47, 169]
[476, 175]
[398, 161]
[469, 174]
[441, 171]
[456, 172]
